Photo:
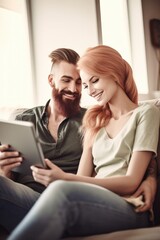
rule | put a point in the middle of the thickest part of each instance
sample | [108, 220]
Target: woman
[119, 143]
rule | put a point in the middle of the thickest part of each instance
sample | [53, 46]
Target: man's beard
[65, 106]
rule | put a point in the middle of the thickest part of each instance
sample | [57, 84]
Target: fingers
[43, 171]
[38, 170]
[49, 163]
[146, 207]
[41, 175]
[44, 176]
[8, 159]
[148, 202]
[5, 155]
[6, 151]
[4, 147]
[11, 161]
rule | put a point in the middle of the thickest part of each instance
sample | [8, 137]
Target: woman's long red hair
[104, 61]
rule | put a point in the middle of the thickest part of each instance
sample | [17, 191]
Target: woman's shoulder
[148, 109]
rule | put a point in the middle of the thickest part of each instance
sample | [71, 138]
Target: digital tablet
[21, 136]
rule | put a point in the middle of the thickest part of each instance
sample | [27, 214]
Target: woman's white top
[140, 133]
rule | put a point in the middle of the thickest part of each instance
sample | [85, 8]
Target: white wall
[60, 23]
[151, 9]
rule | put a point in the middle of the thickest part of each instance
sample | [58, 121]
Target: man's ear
[50, 80]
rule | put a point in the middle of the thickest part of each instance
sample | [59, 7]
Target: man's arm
[148, 187]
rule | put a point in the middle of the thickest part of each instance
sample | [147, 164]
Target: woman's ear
[50, 80]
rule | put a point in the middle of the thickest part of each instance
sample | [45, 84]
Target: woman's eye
[85, 86]
[95, 80]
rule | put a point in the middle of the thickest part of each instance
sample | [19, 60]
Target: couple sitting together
[97, 159]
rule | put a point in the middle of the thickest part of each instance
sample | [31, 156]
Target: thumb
[49, 163]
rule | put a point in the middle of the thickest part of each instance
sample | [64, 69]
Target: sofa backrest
[9, 113]
[156, 102]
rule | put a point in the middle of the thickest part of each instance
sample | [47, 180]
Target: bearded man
[57, 124]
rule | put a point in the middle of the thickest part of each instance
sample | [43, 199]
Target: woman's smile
[97, 96]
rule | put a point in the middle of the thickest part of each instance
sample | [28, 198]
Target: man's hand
[148, 187]
[148, 190]
[46, 176]
[8, 160]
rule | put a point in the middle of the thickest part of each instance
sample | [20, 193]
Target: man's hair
[64, 54]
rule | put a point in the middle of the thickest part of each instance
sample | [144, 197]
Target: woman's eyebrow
[91, 78]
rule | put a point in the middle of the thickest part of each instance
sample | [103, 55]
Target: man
[57, 124]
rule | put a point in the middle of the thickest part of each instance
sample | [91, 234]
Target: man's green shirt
[66, 151]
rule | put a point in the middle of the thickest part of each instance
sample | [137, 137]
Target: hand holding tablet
[21, 136]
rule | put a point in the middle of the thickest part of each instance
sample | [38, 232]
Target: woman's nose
[91, 90]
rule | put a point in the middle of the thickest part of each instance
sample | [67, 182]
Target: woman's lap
[78, 209]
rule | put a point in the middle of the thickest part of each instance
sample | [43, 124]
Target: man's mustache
[75, 94]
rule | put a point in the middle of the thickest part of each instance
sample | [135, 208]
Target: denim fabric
[77, 209]
[15, 201]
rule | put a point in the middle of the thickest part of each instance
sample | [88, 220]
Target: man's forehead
[65, 69]
[64, 66]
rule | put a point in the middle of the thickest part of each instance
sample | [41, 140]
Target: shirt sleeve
[147, 132]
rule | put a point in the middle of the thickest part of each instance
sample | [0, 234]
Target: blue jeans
[77, 209]
[15, 202]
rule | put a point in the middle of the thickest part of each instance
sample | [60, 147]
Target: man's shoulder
[83, 110]
[29, 113]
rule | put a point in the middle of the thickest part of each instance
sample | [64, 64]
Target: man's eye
[79, 82]
[65, 80]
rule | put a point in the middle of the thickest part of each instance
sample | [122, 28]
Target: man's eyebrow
[66, 76]
[69, 77]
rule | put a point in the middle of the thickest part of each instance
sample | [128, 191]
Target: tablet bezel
[21, 136]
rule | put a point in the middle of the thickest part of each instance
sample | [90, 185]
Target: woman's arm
[86, 167]
[122, 185]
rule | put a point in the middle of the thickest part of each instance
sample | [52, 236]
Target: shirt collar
[44, 115]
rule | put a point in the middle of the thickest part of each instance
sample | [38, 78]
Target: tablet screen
[21, 136]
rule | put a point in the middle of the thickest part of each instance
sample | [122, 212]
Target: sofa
[152, 233]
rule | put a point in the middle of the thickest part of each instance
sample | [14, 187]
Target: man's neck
[55, 118]
[54, 113]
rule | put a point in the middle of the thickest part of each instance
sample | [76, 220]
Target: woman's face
[101, 89]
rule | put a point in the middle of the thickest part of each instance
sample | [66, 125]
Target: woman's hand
[8, 160]
[46, 176]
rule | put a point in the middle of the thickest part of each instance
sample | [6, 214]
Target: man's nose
[72, 87]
